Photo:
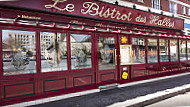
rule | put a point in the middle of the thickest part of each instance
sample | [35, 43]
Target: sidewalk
[131, 94]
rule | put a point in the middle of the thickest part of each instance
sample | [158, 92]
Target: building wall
[147, 3]
[164, 5]
[164, 9]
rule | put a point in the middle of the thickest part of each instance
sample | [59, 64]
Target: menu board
[125, 54]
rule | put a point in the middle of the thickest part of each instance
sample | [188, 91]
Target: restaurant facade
[56, 47]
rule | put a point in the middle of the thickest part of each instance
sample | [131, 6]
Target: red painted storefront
[50, 48]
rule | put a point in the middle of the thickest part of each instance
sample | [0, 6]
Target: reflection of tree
[78, 45]
[57, 50]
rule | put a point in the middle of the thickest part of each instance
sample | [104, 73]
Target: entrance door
[106, 55]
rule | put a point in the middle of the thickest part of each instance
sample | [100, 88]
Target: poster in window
[125, 54]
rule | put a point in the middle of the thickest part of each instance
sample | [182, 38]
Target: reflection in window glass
[53, 51]
[173, 50]
[19, 53]
[81, 51]
[138, 50]
[182, 48]
[106, 53]
[164, 54]
[152, 51]
[188, 49]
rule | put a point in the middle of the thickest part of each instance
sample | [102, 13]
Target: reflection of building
[23, 40]
[46, 40]
[52, 44]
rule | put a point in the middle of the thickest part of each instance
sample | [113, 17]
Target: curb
[153, 98]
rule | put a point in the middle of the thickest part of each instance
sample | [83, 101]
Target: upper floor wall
[181, 7]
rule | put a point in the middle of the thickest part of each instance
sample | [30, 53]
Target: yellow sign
[124, 39]
[124, 75]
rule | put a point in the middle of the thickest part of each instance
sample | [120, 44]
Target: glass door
[106, 58]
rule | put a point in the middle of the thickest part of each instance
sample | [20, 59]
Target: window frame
[177, 49]
[172, 7]
[183, 10]
[45, 37]
[36, 47]
[156, 4]
[185, 49]
[157, 39]
[188, 11]
[144, 48]
[167, 50]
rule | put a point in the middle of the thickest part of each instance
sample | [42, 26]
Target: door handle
[115, 56]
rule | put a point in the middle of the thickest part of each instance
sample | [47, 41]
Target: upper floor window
[183, 10]
[142, 1]
[188, 11]
[173, 7]
[156, 4]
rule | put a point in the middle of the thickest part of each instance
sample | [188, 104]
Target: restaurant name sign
[100, 10]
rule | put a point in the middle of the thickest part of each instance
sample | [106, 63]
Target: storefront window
[188, 49]
[173, 50]
[53, 51]
[19, 52]
[106, 53]
[164, 54]
[138, 50]
[81, 51]
[152, 51]
[182, 48]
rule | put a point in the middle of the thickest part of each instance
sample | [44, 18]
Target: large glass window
[81, 51]
[106, 53]
[53, 51]
[138, 50]
[164, 54]
[19, 52]
[188, 49]
[173, 50]
[152, 51]
[182, 48]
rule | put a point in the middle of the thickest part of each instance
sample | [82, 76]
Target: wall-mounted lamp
[134, 6]
[161, 13]
[116, 2]
[149, 10]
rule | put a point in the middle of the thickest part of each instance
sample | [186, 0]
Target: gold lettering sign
[157, 21]
[110, 26]
[77, 22]
[68, 7]
[29, 17]
[94, 9]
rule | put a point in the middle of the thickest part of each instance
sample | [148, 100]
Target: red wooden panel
[107, 76]
[53, 85]
[152, 72]
[82, 81]
[139, 73]
[17, 90]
